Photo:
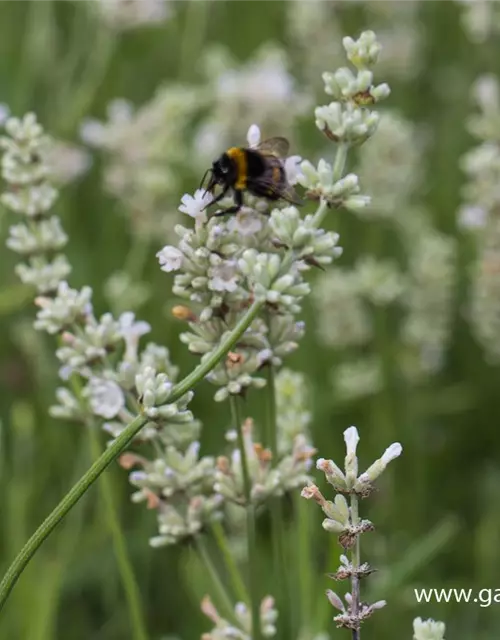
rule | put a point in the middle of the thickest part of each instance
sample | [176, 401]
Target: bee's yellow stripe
[239, 156]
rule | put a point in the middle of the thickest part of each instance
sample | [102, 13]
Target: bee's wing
[289, 194]
[284, 191]
[274, 146]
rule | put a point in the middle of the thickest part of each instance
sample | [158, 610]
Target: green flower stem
[107, 457]
[195, 27]
[223, 595]
[129, 582]
[305, 564]
[355, 562]
[250, 517]
[233, 570]
[340, 161]
[276, 506]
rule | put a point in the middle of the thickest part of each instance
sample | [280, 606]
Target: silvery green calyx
[283, 291]
[337, 512]
[342, 519]
[176, 522]
[348, 618]
[321, 183]
[363, 52]
[242, 629]
[302, 235]
[179, 486]
[428, 629]
[268, 477]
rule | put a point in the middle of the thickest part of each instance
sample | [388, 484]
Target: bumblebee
[259, 170]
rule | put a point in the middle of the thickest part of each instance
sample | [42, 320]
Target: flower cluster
[268, 477]
[110, 379]
[223, 266]
[292, 415]
[130, 14]
[396, 25]
[428, 629]
[480, 214]
[242, 629]
[254, 91]
[144, 150]
[39, 237]
[180, 487]
[343, 520]
[350, 299]
[347, 121]
[480, 19]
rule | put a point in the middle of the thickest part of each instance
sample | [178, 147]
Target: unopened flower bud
[334, 600]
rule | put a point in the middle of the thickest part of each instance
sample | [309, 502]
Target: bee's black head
[223, 172]
[223, 168]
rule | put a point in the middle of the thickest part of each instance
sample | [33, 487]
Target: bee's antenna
[204, 177]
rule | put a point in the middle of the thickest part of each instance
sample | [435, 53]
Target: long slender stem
[250, 517]
[195, 27]
[277, 516]
[305, 565]
[233, 570]
[355, 562]
[107, 457]
[223, 595]
[129, 582]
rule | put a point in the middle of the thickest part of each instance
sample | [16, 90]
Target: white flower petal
[106, 397]
[170, 258]
[392, 452]
[253, 135]
[351, 438]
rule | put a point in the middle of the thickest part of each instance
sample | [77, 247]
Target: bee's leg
[238, 199]
[219, 197]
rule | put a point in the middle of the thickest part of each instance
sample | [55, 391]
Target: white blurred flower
[131, 330]
[246, 222]
[67, 161]
[293, 169]
[4, 113]
[253, 135]
[481, 19]
[106, 397]
[265, 80]
[170, 258]
[195, 205]
[487, 93]
[130, 14]
[428, 629]
[472, 217]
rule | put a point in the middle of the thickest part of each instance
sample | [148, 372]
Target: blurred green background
[438, 509]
